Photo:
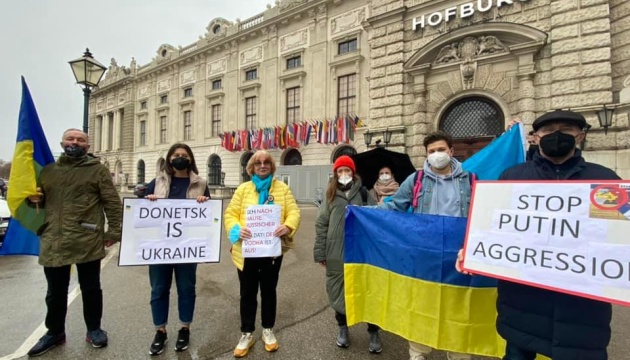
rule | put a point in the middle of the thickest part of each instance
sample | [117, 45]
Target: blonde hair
[256, 157]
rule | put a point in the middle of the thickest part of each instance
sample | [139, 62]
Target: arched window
[214, 170]
[473, 117]
[293, 157]
[244, 159]
[140, 169]
[473, 122]
[344, 150]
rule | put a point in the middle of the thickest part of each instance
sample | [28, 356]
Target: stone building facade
[407, 66]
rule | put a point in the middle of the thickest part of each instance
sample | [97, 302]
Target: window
[214, 170]
[293, 105]
[140, 169]
[187, 125]
[294, 62]
[162, 129]
[244, 159]
[164, 99]
[251, 74]
[347, 46]
[473, 117]
[188, 92]
[216, 120]
[346, 95]
[216, 84]
[143, 133]
[143, 105]
[250, 113]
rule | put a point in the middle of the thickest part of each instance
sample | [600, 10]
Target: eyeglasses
[265, 163]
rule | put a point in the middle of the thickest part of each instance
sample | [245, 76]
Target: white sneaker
[244, 344]
[271, 344]
[418, 357]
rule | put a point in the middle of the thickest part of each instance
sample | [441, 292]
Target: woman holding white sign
[344, 189]
[178, 180]
[255, 206]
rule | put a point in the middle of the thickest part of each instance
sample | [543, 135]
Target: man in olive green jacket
[78, 194]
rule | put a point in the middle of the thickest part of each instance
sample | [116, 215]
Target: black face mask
[557, 144]
[180, 163]
[75, 151]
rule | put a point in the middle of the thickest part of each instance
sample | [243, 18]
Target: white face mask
[439, 160]
[345, 179]
[385, 177]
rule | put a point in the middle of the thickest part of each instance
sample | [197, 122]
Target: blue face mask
[75, 151]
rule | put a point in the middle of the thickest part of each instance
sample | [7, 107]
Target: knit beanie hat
[344, 161]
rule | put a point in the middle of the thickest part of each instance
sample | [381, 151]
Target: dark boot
[375, 346]
[343, 340]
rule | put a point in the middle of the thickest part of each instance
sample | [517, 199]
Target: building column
[98, 130]
[527, 102]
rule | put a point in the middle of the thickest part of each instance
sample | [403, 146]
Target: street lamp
[387, 137]
[367, 137]
[605, 117]
[88, 73]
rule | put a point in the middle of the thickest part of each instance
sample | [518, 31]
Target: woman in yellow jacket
[253, 272]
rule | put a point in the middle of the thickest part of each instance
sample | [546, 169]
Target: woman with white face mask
[385, 186]
[344, 189]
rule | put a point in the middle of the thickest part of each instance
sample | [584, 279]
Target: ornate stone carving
[490, 45]
[624, 94]
[251, 55]
[347, 21]
[217, 29]
[164, 85]
[216, 67]
[468, 70]
[447, 54]
[288, 4]
[187, 77]
[470, 48]
[296, 39]
[143, 92]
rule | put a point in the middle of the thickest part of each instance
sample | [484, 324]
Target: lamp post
[605, 117]
[88, 73]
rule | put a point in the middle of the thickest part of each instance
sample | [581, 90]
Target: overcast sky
[39, 37]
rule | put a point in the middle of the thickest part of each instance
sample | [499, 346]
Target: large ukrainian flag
[32, 153]
[400, 274]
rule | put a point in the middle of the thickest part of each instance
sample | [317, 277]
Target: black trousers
[257, 272]
[342, 320]
[58, 279]
[513, 352]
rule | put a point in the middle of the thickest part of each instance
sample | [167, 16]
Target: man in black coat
[534, 320]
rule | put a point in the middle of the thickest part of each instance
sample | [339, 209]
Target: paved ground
[305, 326]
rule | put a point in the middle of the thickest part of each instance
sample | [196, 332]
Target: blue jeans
[513, 352]
[161, 277]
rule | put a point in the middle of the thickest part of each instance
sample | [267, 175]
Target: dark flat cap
[560, 115]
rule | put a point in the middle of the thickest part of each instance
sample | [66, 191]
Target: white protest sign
[170, 231]
[571, 237]
[262, 220]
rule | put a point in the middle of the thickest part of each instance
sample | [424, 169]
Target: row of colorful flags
[335, 131]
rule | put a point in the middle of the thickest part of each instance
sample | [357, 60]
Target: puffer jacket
[246, 196]
[77, 191]
[329, 240]
[557, 325]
